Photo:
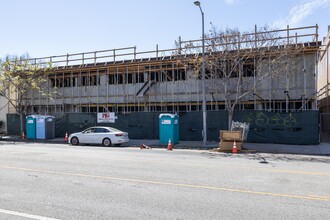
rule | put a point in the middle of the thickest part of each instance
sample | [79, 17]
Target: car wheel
[106, 142]
[74, 141]
[117, 145]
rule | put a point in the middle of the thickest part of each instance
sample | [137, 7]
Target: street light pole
[197, 3]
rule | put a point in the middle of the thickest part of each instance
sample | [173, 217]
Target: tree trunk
[230, 119]
[21, 116]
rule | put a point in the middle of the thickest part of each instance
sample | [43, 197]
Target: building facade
[323, 87]
[124, 80]
[268, 77]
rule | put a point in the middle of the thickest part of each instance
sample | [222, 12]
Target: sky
[56, 27]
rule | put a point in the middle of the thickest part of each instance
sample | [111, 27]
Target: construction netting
[282, 128]
[264, 127]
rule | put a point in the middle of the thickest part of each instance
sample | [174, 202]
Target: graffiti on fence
[261, 119]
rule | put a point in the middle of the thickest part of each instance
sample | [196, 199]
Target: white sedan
[106, 136]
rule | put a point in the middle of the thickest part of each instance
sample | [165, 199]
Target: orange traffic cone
[169, 145]
[66, 138]
[23, 136]
[234, 151]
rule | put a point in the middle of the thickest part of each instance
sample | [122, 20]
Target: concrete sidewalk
[321, 149]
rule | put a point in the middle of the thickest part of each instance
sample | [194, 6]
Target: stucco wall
[3, 113]
[323, 68]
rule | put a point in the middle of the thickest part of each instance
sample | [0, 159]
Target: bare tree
[237, 63]
[18, 76]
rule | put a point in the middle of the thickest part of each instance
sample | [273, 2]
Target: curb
[160, 146]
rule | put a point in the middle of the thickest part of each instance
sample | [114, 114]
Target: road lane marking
[207, 165]
[316, 198]
[25, 215]
[232, 166]
[324, 197]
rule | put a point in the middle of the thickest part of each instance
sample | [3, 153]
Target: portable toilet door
[30, 127]
[50, 127]
[41, 128]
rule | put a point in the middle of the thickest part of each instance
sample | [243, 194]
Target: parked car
[106, 136]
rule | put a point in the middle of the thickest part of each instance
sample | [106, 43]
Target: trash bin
[45, 127]
[30, 127]
[168, 128]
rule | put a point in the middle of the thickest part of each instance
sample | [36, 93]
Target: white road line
[9, 212]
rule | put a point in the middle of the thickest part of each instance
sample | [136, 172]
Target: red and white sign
[106, 117]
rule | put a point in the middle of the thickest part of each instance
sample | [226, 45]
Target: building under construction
[128, 82]
[124, 80]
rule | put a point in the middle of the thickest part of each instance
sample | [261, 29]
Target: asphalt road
[50, 181]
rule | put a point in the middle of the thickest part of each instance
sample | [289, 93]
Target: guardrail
[289, 35]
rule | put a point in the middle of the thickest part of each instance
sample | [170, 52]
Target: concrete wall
[3, 113]
[298, 78]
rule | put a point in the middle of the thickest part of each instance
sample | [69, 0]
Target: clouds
[299, 12]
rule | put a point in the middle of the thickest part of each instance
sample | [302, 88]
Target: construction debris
[143, 146]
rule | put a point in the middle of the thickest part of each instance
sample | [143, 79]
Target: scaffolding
[125, 80]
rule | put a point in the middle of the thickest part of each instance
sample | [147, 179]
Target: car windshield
[89, 130]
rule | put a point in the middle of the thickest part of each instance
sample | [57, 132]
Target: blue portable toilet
[30, 127]
[168, 128]
[45, 127]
